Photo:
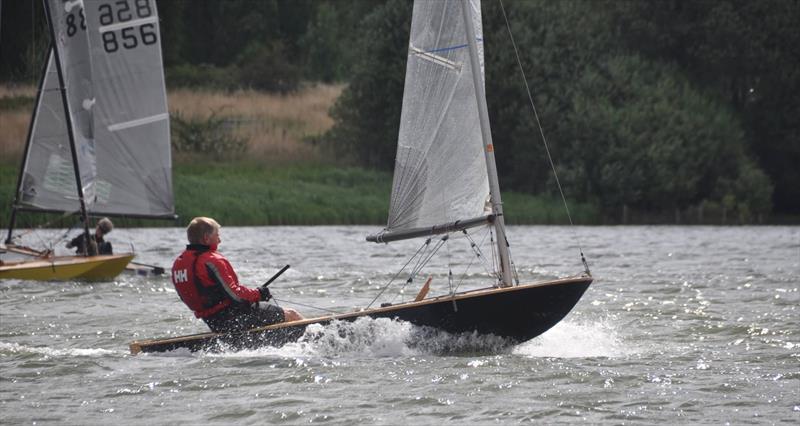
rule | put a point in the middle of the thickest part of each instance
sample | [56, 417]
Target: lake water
[682, 325]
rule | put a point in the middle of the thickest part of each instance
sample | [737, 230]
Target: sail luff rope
[544, 139]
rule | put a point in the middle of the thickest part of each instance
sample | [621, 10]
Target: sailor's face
[213, 240]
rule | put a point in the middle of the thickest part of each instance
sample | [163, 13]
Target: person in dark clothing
[208, 285]
[97, 245]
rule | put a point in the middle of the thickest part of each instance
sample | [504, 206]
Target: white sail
[131, 116]
[440, 169]
[115, 88]
[48, 180]
[49, 158]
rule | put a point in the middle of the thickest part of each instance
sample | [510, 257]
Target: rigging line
[494, 254]
[476, 249]
[306, 306]
[410, 279]
[469, 265]
[449, 268]
[46, 224]
[417, 266]
[398, 273]
[413, 272]
[544, 140]
[431, 254]
[421, 264]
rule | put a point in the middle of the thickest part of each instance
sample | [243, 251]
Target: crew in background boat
[97, 245]
[208, 285]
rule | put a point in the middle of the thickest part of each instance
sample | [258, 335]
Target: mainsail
[440, 172]
[111, 59]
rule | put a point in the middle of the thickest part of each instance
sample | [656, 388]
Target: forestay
[440, 169]
[126, 117]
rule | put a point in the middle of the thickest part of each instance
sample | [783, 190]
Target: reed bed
[13, 131]
[277, 128]
[14, 120]
[16, 90]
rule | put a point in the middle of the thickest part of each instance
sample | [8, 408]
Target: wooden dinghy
[128, 172]
[517, 313]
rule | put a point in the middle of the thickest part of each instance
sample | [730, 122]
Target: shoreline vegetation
[249, 158]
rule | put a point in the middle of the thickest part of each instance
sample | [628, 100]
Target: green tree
[747, 52]
[368, 112]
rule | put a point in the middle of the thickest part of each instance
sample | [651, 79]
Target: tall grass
[277, 128]
[16, 103]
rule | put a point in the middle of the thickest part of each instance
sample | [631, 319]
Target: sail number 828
[128, 37]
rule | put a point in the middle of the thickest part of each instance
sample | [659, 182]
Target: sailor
[207, 284]
[97, 245]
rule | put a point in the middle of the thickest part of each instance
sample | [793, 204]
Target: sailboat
[99, 140]
[445, 183]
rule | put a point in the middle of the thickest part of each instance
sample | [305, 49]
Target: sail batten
[440, 173]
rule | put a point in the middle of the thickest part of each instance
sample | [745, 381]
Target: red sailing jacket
[206, 282]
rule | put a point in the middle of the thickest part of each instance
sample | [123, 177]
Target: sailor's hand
[265, 294]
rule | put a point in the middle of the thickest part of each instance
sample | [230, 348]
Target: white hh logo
[180, 276]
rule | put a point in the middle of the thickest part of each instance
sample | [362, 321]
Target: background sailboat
[99, 141]
[445, 181]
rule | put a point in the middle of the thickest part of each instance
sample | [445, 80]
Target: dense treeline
[263, 44]
[649, 106]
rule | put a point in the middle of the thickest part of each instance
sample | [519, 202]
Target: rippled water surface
[682, 325]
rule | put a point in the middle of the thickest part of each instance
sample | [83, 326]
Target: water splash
[378, 338]
[576, 340]
[17, 349]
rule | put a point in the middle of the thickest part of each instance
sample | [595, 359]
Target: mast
[486, 132]
[70, 130]
[12, 221]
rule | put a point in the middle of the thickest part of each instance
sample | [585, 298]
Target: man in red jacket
[207, 284]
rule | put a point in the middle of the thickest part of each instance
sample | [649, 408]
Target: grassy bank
[242, 193]
[280, 176]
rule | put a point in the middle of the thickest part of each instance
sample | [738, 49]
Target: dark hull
[517, 313]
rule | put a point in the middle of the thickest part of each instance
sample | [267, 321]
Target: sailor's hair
[199, 228]
[105, 225]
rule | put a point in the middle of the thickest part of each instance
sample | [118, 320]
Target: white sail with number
[111, 58]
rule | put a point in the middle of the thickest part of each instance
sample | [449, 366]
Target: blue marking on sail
[447, 49]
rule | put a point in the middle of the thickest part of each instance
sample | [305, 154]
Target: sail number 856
[129, 37]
